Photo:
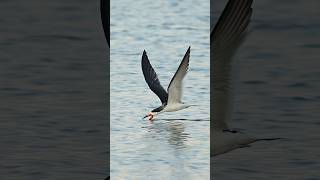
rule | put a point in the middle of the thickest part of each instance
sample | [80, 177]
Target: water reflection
[173, 132]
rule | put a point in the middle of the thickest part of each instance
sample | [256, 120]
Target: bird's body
[226, 140]
[170, 99]
[175, 107]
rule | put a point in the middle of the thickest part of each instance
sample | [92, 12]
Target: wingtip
[144, 52]
[188, 51]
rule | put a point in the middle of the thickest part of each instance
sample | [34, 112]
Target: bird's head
[150, 115]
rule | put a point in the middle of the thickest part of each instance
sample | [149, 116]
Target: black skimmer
[226, 36]
[171, 100]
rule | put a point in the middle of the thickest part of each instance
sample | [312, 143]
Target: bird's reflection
[171, 144]
[177, 136]
[173, 131]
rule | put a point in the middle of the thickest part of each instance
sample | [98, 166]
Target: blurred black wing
[152, 79]
[105, 18]
[226, 37]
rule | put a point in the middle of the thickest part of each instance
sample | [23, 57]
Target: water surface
[176, 145]
[52, 91]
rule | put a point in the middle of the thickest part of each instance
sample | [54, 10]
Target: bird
[170, 99]
[225, 38]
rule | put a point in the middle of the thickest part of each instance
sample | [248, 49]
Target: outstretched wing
[152, 79]
[225, 38]
[175, 86]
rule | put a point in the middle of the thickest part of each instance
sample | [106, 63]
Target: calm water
[282, 98]
[176, 146]
[52, 83]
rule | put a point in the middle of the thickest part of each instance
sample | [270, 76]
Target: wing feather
[175, 86]
[225, 38]
[152, 79]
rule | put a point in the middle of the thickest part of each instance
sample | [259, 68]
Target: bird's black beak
[145, 116]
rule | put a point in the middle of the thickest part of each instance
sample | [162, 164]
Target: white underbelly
[174, 107]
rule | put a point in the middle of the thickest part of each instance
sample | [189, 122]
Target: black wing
[105, 18]
[152, 79]
[226, 37]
